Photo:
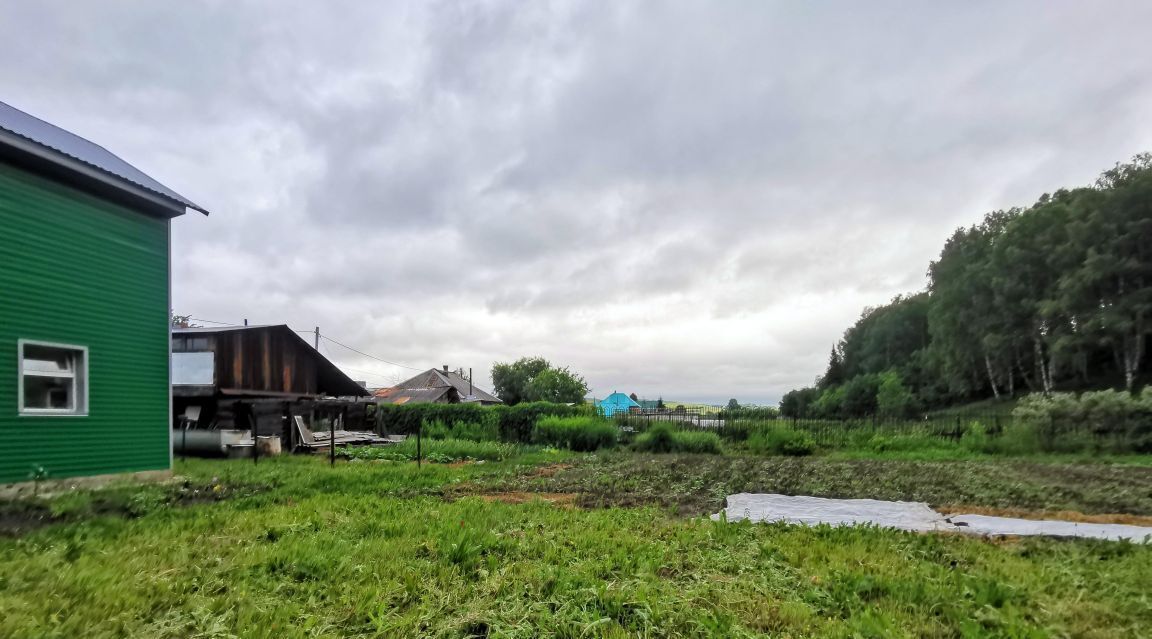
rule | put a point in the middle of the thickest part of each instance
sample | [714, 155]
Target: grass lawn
[292, 548]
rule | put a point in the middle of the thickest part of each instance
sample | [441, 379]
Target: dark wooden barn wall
[270, 361]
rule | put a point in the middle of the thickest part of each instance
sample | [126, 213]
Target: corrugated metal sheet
[80, 270]
[53, 137]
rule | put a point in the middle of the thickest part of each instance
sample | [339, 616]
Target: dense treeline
[1056, 296]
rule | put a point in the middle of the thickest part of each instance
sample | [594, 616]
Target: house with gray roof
[437, 386]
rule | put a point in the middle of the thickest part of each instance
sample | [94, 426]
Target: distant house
[616, 403]
[437, 386]
[84, 306]
[214, 367]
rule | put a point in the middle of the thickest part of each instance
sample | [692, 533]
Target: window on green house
[53, 379]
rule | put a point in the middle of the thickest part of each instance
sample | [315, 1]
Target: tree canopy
[1057, 295]
[534, 379]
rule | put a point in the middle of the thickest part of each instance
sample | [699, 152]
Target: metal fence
[1128, 434]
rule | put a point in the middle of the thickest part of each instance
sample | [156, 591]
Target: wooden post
[286, 420]
[331, 440]
[255, 434]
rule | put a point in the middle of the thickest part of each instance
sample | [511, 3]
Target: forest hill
[1057, 295]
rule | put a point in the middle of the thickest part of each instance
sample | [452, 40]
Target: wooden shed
[213, 368]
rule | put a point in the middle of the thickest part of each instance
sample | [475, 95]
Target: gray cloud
[682, 199]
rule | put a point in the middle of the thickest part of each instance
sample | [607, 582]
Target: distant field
[556, 544]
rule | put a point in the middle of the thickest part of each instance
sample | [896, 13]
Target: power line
[379, 359]
[201, 319]
[349, 368]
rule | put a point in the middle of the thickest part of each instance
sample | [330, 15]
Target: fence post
[254, 420]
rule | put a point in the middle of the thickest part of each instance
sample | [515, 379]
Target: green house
[84, 307]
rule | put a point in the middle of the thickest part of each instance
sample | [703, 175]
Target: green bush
[687, 441]
[1112, 420]
[781, 440]
[976, 438]
[581, 434]
[657, 439]
[663, 438]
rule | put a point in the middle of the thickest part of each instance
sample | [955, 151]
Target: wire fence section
[1051, 433]
[720, 418]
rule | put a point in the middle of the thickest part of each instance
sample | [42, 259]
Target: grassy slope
[301, 550]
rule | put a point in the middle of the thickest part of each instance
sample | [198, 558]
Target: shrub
[687, 441]
[1063, 422]
[662, 438]
[581, 434]
[781, 440]
[976, 438]
[657, 439]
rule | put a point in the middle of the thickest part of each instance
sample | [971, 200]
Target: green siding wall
[77, 269]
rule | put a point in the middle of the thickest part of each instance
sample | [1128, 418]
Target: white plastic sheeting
[986, 525]
[913, 516]
[905, 515]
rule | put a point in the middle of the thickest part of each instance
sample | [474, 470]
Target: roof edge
[46, 154]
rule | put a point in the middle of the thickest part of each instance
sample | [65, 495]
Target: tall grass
[662, 438]
[778, 439]
[483, 431]
[437, 450]
[581, 434]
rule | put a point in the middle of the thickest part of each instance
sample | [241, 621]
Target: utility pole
[316, 344]
[470, 391]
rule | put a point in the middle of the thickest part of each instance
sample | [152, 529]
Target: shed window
[53, 379]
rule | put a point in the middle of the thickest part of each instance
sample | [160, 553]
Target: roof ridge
[169, 195]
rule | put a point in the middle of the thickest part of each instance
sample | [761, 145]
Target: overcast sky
[690, 200]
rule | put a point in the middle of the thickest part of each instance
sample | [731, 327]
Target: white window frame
[79, 376]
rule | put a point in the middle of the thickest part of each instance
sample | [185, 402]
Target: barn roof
[331, 378]
[35, 140]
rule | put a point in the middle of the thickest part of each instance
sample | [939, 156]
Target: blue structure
[616, 403]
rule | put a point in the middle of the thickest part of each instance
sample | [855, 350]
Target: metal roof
[73, 147]
[437, 378]
[218, 329]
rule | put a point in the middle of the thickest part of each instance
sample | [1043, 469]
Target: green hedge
[513, 423]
